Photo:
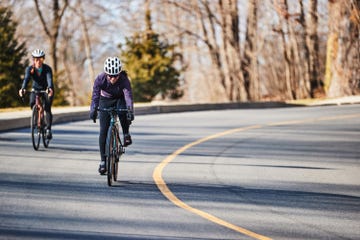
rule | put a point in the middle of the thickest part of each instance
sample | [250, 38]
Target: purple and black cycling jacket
[103, 87]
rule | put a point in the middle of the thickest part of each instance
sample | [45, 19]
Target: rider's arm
[26, 78]
[49, 78]
[25, 81]
[96, 94]
[128, 92]
[128, 99]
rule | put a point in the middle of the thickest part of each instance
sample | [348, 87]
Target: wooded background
[228, 50]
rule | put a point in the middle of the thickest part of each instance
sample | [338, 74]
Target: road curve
[282, 173]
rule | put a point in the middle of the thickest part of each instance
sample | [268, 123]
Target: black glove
[50, 92]
[93, 115]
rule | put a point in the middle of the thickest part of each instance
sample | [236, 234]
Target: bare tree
[294, 35]
[209, 39]
[209, 35]
[303, 58]
[249, 63]
[282, 9]
[234, 81]
[82, 34]
[342, 66]
[79, 11]
[316, 85]
[52, 31]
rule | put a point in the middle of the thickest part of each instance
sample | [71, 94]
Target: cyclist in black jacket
[41, 76]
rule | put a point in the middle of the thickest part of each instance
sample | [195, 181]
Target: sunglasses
[112, 76]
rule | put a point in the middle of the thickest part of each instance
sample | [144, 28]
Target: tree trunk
[210, 41]
[340, 47]
[282, 9]
[249, 63]
[235, 87]
[87, 43]
[52, 33]
[316, 85]
[304, 56]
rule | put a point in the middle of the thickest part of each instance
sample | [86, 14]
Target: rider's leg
[125, 124]
[49, 116]
[32, 100]
[104, 119]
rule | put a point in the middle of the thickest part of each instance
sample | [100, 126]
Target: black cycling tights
[104, 118]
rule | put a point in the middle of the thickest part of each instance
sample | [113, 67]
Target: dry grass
[14, 109]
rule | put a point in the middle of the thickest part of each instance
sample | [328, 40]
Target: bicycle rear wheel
[46, 141]
[35, 131]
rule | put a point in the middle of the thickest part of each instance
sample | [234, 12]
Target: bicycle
[114, 147]
[38, 121]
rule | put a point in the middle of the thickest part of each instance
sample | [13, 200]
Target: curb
[21, 119]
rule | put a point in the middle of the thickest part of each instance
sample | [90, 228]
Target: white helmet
[38, 53]
[112, 66]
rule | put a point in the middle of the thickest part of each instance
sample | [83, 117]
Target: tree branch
[42, 18]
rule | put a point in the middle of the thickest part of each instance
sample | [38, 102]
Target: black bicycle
[38, 120]
[114, 147]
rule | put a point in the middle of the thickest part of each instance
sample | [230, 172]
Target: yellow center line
[161, 184]
[157, 176]
[314, 120]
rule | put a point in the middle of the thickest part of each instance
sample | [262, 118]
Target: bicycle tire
[46, 141]
[117, 155]
[110, 156]
[35, 131]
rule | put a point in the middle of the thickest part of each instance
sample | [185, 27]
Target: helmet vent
[112, 66]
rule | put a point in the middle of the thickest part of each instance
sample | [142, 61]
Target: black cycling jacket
[39, 82]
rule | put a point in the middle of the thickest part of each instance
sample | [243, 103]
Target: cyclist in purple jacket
[112, 88]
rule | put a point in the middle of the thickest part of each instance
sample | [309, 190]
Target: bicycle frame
[40, 108]
[114, 147]
[38, 122]
[114, 122]
[39, 105]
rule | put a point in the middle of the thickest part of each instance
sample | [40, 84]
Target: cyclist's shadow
[81, 141]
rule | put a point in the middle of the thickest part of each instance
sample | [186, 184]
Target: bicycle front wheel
[116, 153]
[110, 155]
[35, 130]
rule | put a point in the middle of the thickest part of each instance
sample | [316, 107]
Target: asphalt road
[282, 173]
